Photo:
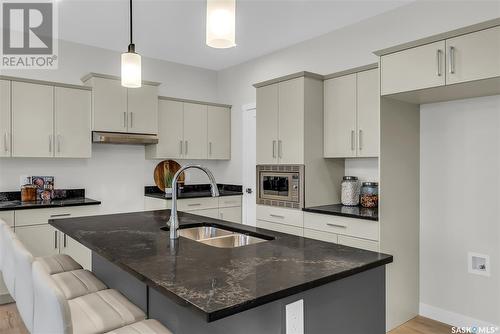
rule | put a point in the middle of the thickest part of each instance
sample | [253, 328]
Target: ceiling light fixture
[221, 23]
[131, 63]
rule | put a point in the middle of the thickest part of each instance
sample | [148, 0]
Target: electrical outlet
[295, 317]
[479, 264]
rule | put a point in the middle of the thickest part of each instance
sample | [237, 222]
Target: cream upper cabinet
[340, 117]
[219, 132]
[473, 56]
[110, 105]
[267, 125]
[368, 113]
[143, 109]
[32, 120]
[412, 69]
[72, 123]
[5, 119]
[291, 122]
[195, 131]
[170, 131]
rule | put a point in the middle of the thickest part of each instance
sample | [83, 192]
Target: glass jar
[350, 191]
[369, 195]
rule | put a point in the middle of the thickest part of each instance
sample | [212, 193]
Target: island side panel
[355, 304]
[118, 279]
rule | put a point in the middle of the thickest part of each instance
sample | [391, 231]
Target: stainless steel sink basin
[220, 237]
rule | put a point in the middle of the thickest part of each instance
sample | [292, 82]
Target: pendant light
[131, 63]
[221, 23]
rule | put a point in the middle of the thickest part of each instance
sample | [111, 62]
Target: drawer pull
[55, 239]
[60, 215]
[194, 204]
[336, 225]
[276, 216]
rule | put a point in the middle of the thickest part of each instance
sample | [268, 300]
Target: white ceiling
[174, 30]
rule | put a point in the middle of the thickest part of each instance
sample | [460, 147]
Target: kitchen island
[194, 287]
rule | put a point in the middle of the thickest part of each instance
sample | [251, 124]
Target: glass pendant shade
[221, 23]
[131, 70]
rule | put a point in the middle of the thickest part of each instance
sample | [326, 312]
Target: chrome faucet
[173, 222]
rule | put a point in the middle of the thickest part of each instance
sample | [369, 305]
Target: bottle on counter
[369, 195]
[350, 191]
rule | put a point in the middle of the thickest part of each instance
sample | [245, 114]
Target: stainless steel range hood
[123, 138]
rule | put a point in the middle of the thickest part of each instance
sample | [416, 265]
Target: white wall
[460, 200]
[343, 49]
[116, 175]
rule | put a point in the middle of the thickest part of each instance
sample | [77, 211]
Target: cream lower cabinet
[473, 56]
[351, 115]
[8, 217]
[416, 68]
[232, 214]
[283, 228]
[359, 243]
[5, 119]
[76, 250]
[280, 219]
[40, 240]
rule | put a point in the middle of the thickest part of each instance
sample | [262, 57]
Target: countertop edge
[48, 206]
[160, 196]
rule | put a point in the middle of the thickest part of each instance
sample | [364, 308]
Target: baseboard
[6, 299]
[451, 318]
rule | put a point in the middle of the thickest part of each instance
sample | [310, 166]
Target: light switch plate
[479, 264]
[295, 317]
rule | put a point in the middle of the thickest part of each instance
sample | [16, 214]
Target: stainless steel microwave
[281, 185]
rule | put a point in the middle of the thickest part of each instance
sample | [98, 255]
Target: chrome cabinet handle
[439, 52]
[186, 147]
[59, 143]
[280, 149]
[180, 147]
[124, 119]
[336, 225]
[274, 148]
[210, 148]
[276, 216]
[131, 119]
[194, 204]
[60, 215]
[50, 143]
[55, 239]
[452, 60]
[5, 143]
[360, 139]
[353, 133]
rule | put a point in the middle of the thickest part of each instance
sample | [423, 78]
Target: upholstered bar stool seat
[149, 326]
[77, 283]
[59, 263]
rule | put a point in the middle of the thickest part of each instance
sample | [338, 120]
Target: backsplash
[366, 169]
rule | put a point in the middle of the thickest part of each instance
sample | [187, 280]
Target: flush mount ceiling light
[131, 63]
[221, 22]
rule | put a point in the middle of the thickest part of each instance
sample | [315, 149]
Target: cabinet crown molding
[114, 77]
[304, 74]
[213, 104]
[439, 37]
[43, 82]
[358, 69]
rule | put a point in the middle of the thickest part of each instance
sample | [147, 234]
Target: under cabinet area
[120, 109]
[192, 130]
[54, 122]
[351, 114]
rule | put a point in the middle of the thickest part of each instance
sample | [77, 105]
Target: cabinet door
[195, 131]
[5, 120]
[72, 123]
[110, 105]
[368, 101]
[77, 251]
[219, 132]
[280, 228]
[412, 69]
[143, 109]
[232, 214]
[8, 217]
[170, 131]
[267, 125]
[359, 243]
[473, 56]
[32, 120]
[291, 122]
[211, 213]
[320, 235]
[340, 117]
[40, 240]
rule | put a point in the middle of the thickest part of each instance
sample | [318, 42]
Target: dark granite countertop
[217, 282]
[345, 211]
[195, 191]
[63, 198]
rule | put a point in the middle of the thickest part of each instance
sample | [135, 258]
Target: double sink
[219, 236]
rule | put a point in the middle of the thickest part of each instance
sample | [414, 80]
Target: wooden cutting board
[166, 170]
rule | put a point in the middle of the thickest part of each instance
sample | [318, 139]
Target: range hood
[123, 138]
